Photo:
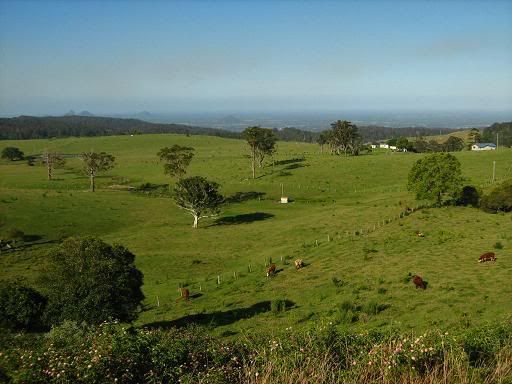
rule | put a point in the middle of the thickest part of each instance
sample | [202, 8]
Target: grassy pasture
[332, 198]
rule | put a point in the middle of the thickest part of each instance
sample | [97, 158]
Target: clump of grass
[348, 312]
[382, 291]
[498, 245]
[406, 279]
[278, 305]
[338, 283]
[373, 308]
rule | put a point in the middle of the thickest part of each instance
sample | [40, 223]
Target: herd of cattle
[299, 263]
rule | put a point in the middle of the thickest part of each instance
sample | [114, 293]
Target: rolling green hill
[337, 223]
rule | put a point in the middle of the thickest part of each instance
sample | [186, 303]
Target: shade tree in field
[176, 160]
[92, 281]
[403, 143]
[12, 153]
[262, 143]
[52, 160]
[198, 196]
[436, 177]
[344, 137]
[94, 163]
[453, 144]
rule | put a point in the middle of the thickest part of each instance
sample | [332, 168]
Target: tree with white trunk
[199, 197]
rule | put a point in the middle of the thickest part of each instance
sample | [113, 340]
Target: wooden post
[218, 279]
[200, 288]
[328, 238]
[157, 302]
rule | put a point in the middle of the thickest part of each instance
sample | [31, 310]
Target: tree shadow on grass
[290, 161]
[243, 219]
[239, 197]
[294, 166]
[31, 238]
[217, 318]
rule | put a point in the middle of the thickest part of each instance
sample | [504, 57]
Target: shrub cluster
[85, 280]
[21, 307]
[74, 353]
[499, 199]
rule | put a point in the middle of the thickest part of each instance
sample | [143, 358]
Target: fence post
[218, 279]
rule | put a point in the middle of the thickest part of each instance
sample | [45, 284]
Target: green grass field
[333, 198]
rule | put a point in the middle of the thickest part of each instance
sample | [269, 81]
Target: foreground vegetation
[74, 353]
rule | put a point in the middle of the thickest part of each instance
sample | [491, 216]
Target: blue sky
[169, 56]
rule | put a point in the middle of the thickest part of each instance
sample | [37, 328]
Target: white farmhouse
[383, 145]
[483, 147]
[392, 147]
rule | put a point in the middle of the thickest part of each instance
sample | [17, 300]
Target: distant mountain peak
[85, 113]
[70, 113]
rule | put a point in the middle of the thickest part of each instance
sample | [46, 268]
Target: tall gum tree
[176, 160]
[261, 142]
[95, 163]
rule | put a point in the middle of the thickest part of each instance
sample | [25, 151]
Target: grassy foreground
[343, 222]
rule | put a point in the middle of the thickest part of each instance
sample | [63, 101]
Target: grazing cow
[489, 256]
[271, 270]
[418, 282]
[185, 293]
[299, 264]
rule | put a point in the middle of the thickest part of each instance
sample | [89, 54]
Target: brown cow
[418, 282]
[271, 270]
[489, 256]
[299, 264]
[185, 293]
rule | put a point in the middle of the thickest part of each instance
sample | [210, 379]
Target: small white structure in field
[483, 147]
[392, 147]
[374, 146]
[284, 200]
[383, 145]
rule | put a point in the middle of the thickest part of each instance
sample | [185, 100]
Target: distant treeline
[30, 127]
[504, 130]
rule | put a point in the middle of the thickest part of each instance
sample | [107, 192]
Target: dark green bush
[89, 280]
[21, 307]
[499, 199]
[469, 195]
